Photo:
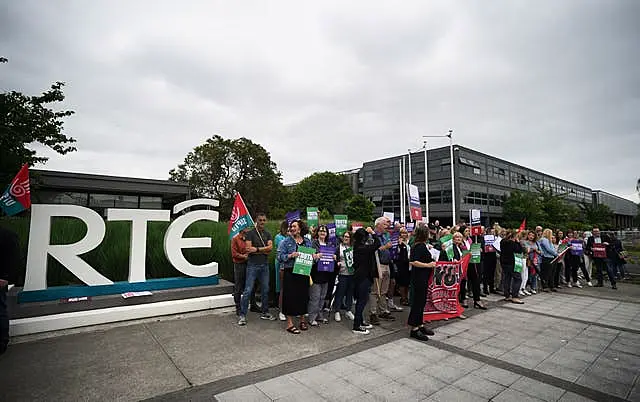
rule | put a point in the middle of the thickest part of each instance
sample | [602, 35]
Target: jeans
[377, 299]
[261, 272]
[512, 281]
[609, 266]
[239, 282]
[362, 290]
[4, 321]
[344, 290]
[317, 293]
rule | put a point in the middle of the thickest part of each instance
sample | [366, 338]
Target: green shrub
[111, 257]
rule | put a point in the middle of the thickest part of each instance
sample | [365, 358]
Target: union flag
[17, 196]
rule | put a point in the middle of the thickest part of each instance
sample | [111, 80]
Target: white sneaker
[526, 292]
[589, 283]
[242, 320]
[350, 315]
[578, 285]
[569, 285]
[533, 292]
[337, 316]
[392, 306]
[282, 317]
[314, 323]
[366, 325]
[361, 331]
[521, 293]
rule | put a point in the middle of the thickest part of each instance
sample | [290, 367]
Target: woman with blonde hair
[548, 254]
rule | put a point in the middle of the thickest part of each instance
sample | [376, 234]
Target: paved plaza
[574, 345]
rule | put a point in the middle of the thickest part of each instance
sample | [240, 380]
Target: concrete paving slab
[395, 391]
[497, 375]
[479, 386]
[571, 397]
[455, 394]
[249, 393]
[559, 371]
[538, 389]
[338, 390]
[122, 363]
[282, 386]
[422, 383]
[604, 385]
[510, 395]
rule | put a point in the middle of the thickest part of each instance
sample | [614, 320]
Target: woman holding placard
[295, 287]
[321, 274]
[509, 249]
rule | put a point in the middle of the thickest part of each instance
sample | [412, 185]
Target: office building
[481, 182]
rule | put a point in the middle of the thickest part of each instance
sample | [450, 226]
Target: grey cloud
[327, 86]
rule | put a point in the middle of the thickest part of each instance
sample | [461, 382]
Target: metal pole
[404, 189]
[453, 181]
[426, 183]
[409, 153]
[400, 183]
[408, 200]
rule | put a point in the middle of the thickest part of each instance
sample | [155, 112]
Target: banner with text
[414, 202]
[326, 263]
[341, 224]
[312, 217]
[304, 261]
[442, 292]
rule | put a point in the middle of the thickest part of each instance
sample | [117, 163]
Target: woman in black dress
[422, 265]
[403, 277]
[295, 287]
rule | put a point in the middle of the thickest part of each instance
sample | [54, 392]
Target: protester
[509, 246]
[295, 287]
[365, 246]
[345, 289]
[422, 265]
[320, 280]
[9, 260]
[618, 258]
[534, 254]
[548, 254]
[489, 260]
[377, 301]
[402, 265]
[259, 245]
[239, 255]
[572, 262]
[393, 274]
[458, 246]
[599, 256]
[284, 229]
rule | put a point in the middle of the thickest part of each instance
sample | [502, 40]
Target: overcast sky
[322, 85]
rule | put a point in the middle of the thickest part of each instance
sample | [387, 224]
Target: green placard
[475, 253]
[304, 261]
[519, 263]
[448, 243]
[341, 224]
[348, 259]
[312, 217]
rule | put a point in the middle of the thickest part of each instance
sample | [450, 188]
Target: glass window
[150, 202]
[113, 201]
[55, 197]
[476, 171]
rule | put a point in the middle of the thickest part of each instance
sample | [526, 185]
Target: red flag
[240, 218]
[17, 196]
[522, 225]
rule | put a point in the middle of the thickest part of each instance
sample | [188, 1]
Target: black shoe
[614, 287]
[598, 285]
[480, 306]
[255, 309]
[3, 347]
[426, 331]
[373, 320]
[386, 316]
[554, 289]
[419, 336]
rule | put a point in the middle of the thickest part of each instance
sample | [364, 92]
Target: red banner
[443, 290]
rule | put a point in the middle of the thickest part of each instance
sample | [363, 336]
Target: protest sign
[448, 244]
[394, 238]
[388, 215]
[304, 261]
[576, 247]
[410, 226]
[331, 228]
[562, 251]
[599, 250]
[496, 243]
[292, 216]
[341, 224]
[414, 202]
[355, 226]
[520, 263]
[475, 253]
[488, 243]
[443, 289]
[312, 217]
[326, 263]
[347, 254]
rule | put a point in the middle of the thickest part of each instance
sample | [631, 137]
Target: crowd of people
[370, 270]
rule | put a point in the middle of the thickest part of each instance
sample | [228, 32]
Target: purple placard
[331, 228]
[410, 226]
[394, 238]
[292, 216]
[326, 262]
[576, 247]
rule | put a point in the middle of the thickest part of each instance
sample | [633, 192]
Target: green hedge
[111, 257]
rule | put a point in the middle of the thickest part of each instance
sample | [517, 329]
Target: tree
[359, 208]
[324, 190]
[522, 205]
[597, 215]
[25, 120]
[556, 211]
[219, 167]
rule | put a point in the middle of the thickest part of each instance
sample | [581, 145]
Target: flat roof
[96, 182]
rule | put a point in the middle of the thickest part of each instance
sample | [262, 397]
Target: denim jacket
[548, 251]
[286, 247]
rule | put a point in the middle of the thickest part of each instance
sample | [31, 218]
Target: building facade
[481, 182]
[100, 192]
[624, 211]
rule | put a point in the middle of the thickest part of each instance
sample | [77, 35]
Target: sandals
[304, 326]
[293, 330]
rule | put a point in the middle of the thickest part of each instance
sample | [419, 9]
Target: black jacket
[364, 259]
[508, 249]
[9, 255]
